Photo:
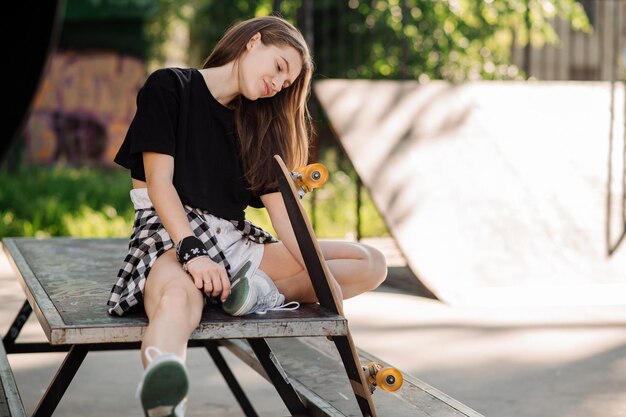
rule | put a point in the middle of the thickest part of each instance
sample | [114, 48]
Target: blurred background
[58, 177]
[479, 143]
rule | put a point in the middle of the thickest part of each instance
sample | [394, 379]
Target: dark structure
[32, 30]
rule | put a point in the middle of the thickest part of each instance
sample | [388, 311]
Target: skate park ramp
[495, 192]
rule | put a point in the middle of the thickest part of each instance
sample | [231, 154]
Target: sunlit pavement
[502, 361]
[538, 361]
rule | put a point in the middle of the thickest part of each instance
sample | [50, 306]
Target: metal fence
[597, 55]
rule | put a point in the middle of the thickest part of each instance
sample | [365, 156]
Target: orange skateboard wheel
[386, 378]
[389, 379]
[313, 176]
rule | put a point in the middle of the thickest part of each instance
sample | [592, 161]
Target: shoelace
[149, 353]
[292, 305]
[263, 305]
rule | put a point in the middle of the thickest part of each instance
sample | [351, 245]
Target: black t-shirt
[177, 115]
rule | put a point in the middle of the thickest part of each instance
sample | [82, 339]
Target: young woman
[199, 151]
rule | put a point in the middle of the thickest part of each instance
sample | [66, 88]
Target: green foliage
[332, 208]
[65, 201]
[205, 20]
[336, 202]
[213, 17]
[83, 202]
[415, 39]
[437, 39]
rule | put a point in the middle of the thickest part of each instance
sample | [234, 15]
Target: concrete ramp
[495, 192]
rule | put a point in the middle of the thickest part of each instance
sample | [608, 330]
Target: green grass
[334, 214]
[94, 202]
[64, 201]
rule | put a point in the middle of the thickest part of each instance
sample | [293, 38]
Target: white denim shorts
[237, 248]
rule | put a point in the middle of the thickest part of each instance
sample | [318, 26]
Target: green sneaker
[164, 386]
[239, 295]
[255, 294]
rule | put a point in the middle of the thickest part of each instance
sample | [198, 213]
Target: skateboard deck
[319, 273]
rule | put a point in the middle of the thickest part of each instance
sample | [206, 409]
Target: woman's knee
[177, 301]
[377, 266]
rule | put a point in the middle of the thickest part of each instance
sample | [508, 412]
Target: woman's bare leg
[356, 268]
[173, 305]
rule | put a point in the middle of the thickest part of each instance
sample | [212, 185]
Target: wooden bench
[10, 401]
[66, 282]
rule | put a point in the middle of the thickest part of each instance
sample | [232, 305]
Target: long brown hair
[278, 125]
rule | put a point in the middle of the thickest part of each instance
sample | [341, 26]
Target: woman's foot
[255, 294]
[164, 386]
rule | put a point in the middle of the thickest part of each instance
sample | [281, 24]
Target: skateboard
[363, 379]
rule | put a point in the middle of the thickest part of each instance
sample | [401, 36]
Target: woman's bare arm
[159, 169]
[277, 211]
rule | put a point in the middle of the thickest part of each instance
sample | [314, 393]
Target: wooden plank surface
[67, 281]
[496, 192]
[312, 364]
[10, 401]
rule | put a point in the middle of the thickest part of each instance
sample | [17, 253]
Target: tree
[437, 39]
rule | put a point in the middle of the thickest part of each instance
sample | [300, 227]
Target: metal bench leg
[278, 377]
[16, 326]
[353, 370]
[228, 375]
[61, 381]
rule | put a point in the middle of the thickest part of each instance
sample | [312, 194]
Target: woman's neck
[222, 82]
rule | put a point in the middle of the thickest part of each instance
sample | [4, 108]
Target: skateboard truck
[386, 378]
[309, 177]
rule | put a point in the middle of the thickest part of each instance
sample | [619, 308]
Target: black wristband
[188, 248]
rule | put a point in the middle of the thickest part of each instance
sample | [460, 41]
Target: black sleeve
[256, 199]
[153, 128]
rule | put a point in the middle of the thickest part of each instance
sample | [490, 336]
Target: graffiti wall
[83, 108]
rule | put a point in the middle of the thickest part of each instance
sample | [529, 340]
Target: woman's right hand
[210, 277]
